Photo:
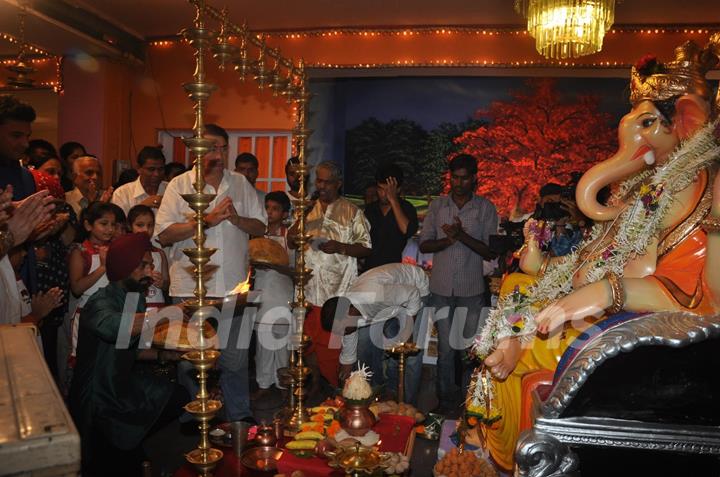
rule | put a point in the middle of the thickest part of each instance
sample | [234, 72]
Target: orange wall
[159, 101]
[94, 109]
[82, 104]
[115, 108]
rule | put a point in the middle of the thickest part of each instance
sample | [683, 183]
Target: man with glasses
[234, 215]
[149, 186]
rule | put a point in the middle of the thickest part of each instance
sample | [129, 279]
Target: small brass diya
[357, 460]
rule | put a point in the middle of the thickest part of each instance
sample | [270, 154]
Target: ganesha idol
[655, 246]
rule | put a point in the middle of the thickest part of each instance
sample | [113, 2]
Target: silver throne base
[548, 448]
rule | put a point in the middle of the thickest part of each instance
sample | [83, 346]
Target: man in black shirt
[392, 220]
[16, 118]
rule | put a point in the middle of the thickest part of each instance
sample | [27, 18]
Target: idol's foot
[503, 360]
[472, 437]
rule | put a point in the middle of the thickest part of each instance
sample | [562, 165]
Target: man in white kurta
[233, 215]
[340, 235]
[228, 266]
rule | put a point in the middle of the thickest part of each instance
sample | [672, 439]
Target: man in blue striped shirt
[456, 230]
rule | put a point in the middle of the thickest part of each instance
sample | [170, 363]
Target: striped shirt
[457, 270]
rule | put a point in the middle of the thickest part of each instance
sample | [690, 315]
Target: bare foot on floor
[503, 360]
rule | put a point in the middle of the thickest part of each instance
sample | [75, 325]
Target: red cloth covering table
[395, 435]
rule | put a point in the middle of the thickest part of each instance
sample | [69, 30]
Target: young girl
[121, 223]
[87, 261]
[142, 219]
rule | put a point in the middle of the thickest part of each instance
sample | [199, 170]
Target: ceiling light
[567, 28]
[21, 68]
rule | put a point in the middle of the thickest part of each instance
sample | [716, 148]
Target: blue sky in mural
[431, 101]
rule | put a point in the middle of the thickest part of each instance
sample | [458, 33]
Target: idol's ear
[691, 113]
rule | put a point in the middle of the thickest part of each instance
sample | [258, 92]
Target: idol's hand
[590, 300]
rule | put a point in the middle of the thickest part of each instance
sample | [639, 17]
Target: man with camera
[557, 207]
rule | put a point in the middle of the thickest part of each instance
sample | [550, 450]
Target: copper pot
[266, 436]
[356, 419]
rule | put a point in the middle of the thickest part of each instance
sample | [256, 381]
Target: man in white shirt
[379, 303]
[233, 215]
[149, 187]
[87, 179]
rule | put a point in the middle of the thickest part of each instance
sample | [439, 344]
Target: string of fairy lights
[29, 47]
[443, 31]
[42, 57]
[466, 30]
[448, 31]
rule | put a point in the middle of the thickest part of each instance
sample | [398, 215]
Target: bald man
[87, 179]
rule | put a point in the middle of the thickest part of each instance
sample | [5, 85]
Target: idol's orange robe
[681, 261]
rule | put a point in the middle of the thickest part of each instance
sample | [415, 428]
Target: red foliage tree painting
[536, 138]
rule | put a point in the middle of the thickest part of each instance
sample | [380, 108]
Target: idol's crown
[655, 81]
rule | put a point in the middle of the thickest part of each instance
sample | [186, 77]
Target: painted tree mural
[422, 155]
[538, 136]
[374, 143]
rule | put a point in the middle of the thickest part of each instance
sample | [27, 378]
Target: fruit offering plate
[321, 426]
[396, 435]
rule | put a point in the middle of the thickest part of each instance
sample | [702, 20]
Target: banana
[309, 435]
[307, 444]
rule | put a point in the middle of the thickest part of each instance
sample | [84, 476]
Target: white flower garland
[637, 225]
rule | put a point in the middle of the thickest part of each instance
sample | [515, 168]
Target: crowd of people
[74, 254]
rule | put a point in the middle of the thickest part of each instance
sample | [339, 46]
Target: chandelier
[21, 68]
[567, 28]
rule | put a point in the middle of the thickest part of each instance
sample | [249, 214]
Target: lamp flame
[242, 287]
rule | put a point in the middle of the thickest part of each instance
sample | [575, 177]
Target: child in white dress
[87, 262]
[277, 289]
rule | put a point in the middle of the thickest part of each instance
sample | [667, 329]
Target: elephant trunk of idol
[625, 163]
